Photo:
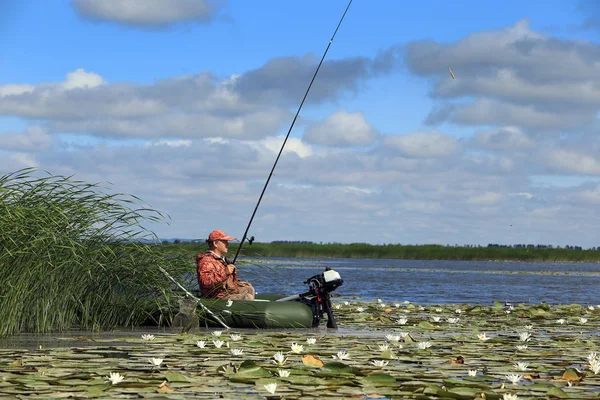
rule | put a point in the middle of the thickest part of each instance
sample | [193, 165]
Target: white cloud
[485, 199]
[33, 139]
[564, 160]
[591, 195]
[15, 89]
[170, 143]
[341, 129]
[149, 12]
[79, 79]
[507, 138]
[422, 144]
[293, 145]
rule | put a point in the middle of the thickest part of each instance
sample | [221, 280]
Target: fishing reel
[326, 282]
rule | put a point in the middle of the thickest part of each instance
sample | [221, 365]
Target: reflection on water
[435, 282]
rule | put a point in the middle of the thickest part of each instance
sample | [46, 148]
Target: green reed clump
[72, 255]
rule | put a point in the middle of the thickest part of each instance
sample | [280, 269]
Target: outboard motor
[318, 295]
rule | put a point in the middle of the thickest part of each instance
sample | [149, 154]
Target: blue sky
[184, 102]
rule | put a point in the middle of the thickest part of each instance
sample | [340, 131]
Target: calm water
[435, 282]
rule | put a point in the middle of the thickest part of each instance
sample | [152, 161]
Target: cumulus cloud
[422, 144]
[511, 76]
[577, 162]
[149, 13]
[253, 104]
[341, 129]
[506, 138]
[33, 139]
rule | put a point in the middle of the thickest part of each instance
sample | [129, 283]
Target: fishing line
[288, 133]
[194, 297]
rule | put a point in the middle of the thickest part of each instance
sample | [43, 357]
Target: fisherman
[217, 276]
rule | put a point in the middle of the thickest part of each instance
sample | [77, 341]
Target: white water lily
[297, 348]
[311, 340]
[384, 347]
[403, 334]
[438, 310]
[115, 377]
[524, 336]
[453, 320]
[529, 327]
[383, 305]
[507, 311]
[270, 387]
[341, 355]
[346, 303]
[360, 309]
[402, 321]
[392, 338]
[483, 336]
[595, 366]
[147, 337]
[279, 358]
[436, 319]
[201, 344]
[283, 373]
[508, 396]
[397, 305]
[379, 300]
[217, 333]
[592, 356]
[458, 311]
[337, 306]
[423, 345]
[514, 378]
[218, 343]
[236, 338]
[229, 303]
[583, 320]
[155, 361]
[521, 347]
[472, 372]
[521, 366]
[591, 308]
[379, 363]
[561, 321]
[237, 352]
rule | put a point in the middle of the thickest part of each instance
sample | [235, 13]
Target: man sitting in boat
[217, 277]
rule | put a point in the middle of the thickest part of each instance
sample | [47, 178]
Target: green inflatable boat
[305, 310]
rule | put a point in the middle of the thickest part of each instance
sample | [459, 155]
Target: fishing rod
[288, 133]
[187, 292]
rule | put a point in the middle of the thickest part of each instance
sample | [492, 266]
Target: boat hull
[263, 312]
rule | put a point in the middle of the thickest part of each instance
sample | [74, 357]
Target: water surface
[435, 282]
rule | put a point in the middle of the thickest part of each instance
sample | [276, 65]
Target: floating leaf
[571, 374]
[556, 392]
[164, 388]
[379, 379]
[312, 361]
[425, 325]
[250, 368]
[175, 377]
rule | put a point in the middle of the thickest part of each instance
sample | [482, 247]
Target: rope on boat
[288, 133]
[193, 297]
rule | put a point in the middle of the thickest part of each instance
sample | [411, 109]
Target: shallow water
[434, 282]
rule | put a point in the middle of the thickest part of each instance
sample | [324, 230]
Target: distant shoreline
[396, 251]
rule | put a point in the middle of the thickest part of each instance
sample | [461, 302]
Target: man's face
[222, 246]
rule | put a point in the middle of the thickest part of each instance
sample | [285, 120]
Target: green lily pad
[557, 392]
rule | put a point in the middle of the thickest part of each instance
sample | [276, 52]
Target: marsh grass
[72, 255]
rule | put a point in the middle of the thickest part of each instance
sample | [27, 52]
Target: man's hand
[231, 269]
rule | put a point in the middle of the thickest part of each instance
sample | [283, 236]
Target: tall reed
[73, 255]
